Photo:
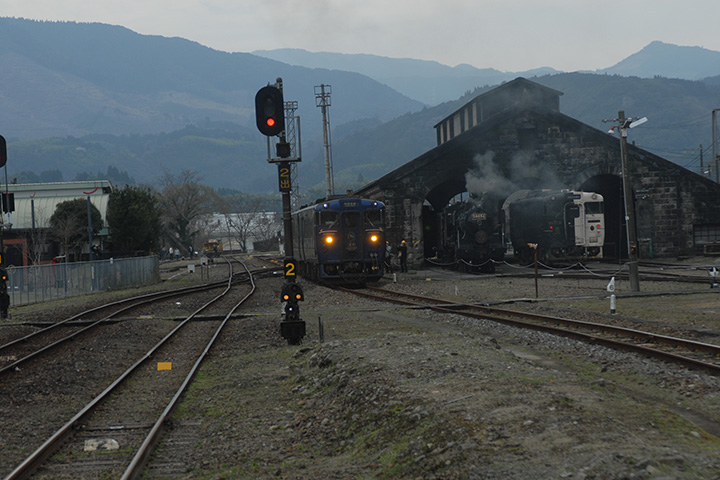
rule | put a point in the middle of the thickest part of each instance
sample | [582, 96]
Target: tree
[69, 224]
[247, 218]
[187, 207]
[135, 219]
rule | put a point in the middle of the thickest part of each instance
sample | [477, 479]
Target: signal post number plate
[284, 177]
[290, 268]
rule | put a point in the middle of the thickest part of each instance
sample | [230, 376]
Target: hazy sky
[510, 35]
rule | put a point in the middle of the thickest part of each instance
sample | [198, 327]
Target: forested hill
[66, 78]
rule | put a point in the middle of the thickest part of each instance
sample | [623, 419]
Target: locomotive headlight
[329, 239]
[374, 238]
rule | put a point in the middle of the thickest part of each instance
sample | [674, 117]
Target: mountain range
[78, 98]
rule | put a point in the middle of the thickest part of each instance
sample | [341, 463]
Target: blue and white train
[340, 240]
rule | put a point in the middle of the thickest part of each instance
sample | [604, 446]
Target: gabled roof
[511, 91]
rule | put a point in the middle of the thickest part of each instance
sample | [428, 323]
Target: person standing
[402, 255]
[388, 257]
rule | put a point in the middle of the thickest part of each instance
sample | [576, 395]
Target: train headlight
[374, 238]
[328, 240]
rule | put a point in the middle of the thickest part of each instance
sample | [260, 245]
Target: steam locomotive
[566, 225]
[340, 240]
[472, 237]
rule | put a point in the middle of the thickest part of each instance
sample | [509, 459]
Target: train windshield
[327, 218]
[351, 219]
[373, 218]
[593, 208]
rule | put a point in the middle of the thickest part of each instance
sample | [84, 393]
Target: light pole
[624, 124]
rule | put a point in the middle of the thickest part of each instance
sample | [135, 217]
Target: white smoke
[486, 178]
[523, 172]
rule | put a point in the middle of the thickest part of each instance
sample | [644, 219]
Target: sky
[509, 35]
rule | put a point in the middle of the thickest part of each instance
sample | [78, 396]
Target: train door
[594, 227]
[351, 224]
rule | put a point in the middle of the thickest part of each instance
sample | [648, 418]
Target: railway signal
[270, 111]
[3, 151]
[270, 119]
[292, 327]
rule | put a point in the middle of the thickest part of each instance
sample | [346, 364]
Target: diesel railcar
[340, 240]
[566, 225]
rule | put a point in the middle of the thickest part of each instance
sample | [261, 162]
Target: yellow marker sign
[164, 366]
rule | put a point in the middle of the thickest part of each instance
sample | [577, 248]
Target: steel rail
[47, 449]
[143, 300]
[141, 457]
[147, 296]
[450, 307]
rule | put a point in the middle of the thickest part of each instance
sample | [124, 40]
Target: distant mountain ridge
[432, 82]
[670, 61]
[427, 81]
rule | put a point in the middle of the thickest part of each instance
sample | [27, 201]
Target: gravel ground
[411, 394]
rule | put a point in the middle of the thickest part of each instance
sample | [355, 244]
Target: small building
[27, 237]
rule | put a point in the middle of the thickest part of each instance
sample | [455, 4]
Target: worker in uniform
[402, 255]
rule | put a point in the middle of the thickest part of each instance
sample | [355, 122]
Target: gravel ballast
[394, 392]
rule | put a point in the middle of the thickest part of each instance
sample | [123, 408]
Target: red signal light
[269, 111]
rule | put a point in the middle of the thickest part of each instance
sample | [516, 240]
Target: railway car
[566, 225]
[472, 237]
[340, 240]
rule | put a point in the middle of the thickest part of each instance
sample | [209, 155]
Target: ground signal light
[292, 293]
[270, 111]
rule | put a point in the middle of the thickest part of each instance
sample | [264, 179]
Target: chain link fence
[40, 283]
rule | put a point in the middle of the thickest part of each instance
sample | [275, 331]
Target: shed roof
[41, 199]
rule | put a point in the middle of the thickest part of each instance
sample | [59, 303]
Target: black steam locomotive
[565, 225]
[340, 240]
[472, 237]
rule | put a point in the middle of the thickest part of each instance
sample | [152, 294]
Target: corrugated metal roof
[43, 198]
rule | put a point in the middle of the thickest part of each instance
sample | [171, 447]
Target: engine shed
[514, 137]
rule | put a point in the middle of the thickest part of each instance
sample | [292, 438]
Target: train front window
[373, 217]
[350, 219]
[327, 218]
[593, 208]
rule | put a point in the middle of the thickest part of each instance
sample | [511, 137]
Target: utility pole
[702, 168]
[716, 151]
[322, 100]
[624, 124]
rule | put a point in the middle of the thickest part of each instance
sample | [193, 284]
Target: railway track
[20, 351]
[688, 352]
[133, 410]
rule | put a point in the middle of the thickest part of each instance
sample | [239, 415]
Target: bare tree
[38, 236]
[186, 206]
[247, 218]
